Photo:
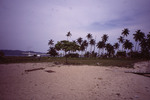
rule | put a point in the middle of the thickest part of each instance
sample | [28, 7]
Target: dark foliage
[2, 54]
[87, 54]
[73, 55]
[52, 52]
[121, 54]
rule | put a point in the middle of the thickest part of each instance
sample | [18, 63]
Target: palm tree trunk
[91, 49]
[122, 47]
[94, 48]
[99, 52]
[66, 57]
[102, 51]
[85, 49]
[135, 46]
[138, 48]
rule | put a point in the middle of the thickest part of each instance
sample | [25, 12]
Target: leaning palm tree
[51, 43]
[125, 32]
[121, 40]
[68, 34]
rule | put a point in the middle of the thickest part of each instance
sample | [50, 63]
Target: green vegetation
[102, 49]
[74, 61]
[66, 46]
[107, 54]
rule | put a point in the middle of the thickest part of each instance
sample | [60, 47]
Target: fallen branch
[29, 70]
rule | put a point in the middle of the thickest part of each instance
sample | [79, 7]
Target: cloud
[31, 23]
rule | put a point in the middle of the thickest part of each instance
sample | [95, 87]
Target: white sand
[71, 83]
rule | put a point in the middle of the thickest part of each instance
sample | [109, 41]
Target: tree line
[122, 48]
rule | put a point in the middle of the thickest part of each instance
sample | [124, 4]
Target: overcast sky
[29, 24]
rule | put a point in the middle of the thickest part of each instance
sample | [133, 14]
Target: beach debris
[136, 96]
[49, 71]
[138, 72]
[98, 64]
[144, 73]
[52, 66]
[100, 78]
[34, 69]
[57, 63]
[118, 94]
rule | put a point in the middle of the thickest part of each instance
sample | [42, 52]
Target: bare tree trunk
[66, 58]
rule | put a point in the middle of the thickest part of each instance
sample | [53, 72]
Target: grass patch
[105, 62]
[123, 62]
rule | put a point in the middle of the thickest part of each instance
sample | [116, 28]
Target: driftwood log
[34, 69]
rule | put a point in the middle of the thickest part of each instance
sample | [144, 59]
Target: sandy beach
[47, 81]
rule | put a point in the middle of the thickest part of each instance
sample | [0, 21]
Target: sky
[30, 24]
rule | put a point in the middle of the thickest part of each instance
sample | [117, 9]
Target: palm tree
[89, 36]
[51, 43]
[128, 45]
[110, 49]
[68, 34]
[80, 40]
[108, 46]
[92, 43]
[85, 43]
[116, 46]
[138, 37]
[148, 35]
[121, 40]
[100, 45]
[104, 38]
[145, 47]
[148, 40]
[82, 48]
[125, 32]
